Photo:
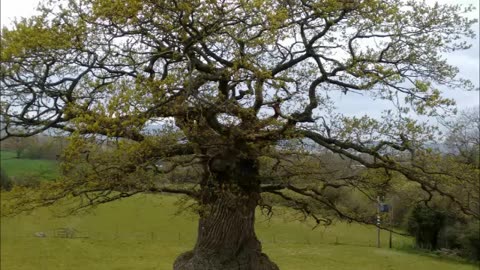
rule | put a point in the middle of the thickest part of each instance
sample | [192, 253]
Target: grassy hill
[17, 168]
[144, 232]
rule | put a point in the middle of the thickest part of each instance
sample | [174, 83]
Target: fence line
[159, 236]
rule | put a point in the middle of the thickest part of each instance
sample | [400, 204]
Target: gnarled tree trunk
[226, 237]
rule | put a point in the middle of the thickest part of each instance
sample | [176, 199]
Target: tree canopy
[228, 82]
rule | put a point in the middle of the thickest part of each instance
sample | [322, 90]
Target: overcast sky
[350, 104]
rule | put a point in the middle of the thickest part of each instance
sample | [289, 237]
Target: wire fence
[187, 237]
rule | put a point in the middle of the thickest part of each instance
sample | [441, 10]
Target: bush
[445, 230]
[470, 240]
[424, 224]
[450, 235]
[464, 237]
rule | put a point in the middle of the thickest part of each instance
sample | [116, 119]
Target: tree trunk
[226, 236]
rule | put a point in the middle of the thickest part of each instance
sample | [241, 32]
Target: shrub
[425, 223]
[471, 241]
[441, 228]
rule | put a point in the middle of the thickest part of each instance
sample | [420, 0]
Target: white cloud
[16, 8]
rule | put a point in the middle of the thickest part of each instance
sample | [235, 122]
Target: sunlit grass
[144, 232]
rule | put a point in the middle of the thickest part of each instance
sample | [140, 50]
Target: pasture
[39, 168]
[146, 232]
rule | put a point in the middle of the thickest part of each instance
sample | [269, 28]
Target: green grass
[18, 168]
[143, 232]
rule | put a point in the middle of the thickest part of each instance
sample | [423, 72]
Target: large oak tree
[238, 81]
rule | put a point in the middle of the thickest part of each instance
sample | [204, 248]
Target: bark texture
[226, 237]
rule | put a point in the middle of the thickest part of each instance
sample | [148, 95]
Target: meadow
[40, 168]
[148, 232]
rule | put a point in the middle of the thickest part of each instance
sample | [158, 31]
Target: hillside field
[146, 232]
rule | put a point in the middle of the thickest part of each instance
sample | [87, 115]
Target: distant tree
[234, 78]
[36, 147]
[46, 147]
[439, 221]
[17, 144]
[463, 136]
[435, 223]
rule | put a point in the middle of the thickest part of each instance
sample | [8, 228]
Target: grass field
[143, 232]
[44, 169]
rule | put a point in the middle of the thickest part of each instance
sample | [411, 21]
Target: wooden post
[391, 227]
[378, 221]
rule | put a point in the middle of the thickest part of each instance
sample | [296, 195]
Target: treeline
[446, 232]
[437, 224]
[35, 147]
